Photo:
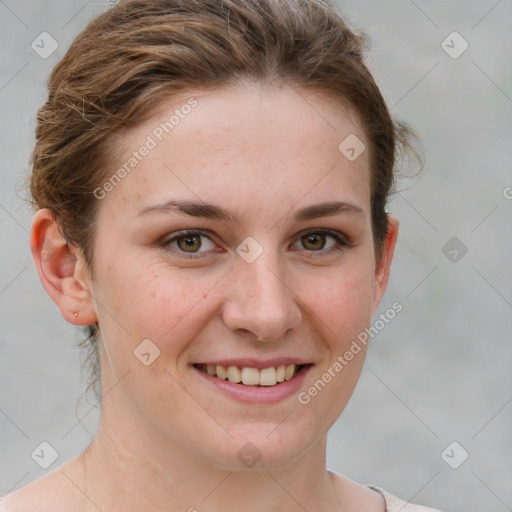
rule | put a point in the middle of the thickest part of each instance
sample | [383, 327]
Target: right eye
[187, 243]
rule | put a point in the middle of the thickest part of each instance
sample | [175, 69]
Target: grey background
[438, 373]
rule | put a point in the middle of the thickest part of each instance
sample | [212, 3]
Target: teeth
[234, 374]
[221, 372]
[289, 371]
[268, 377]
[251, 376]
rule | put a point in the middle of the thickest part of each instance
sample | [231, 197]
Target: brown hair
[139, 52]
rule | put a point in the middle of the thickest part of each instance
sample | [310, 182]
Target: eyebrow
[211, 211]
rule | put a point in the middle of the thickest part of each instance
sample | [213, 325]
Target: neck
[150, 473]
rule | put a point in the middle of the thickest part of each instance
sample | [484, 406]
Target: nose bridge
[261, 301]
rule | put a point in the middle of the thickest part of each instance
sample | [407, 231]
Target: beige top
[394, 504]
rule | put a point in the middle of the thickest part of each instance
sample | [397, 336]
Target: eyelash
[340, 239]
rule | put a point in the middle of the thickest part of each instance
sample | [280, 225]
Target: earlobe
[60, 270]
[383, 266]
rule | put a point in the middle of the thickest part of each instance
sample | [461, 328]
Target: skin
[167, 440]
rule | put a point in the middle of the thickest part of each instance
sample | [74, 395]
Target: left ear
[383, 266]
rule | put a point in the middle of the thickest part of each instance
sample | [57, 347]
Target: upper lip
[255, 363]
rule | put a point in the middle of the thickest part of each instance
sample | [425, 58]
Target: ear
[62, 270]
[383, 266]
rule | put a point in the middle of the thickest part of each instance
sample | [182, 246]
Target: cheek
[342, 300]
[145, 301]
[341, 307]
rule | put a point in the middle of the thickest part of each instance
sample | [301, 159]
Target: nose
[261, 303]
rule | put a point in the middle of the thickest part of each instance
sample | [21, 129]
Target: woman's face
[267, 275]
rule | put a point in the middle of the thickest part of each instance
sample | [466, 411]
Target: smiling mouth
[254, 377]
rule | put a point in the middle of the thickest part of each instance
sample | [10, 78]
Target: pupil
[314, 239]
[189, 242]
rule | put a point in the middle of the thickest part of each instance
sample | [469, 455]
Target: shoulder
[394, 504]
[52, 492]
[4, 507]
[41, 495]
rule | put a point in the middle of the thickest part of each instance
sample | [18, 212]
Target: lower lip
[255, 394]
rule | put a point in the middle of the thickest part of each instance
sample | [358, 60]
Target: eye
[315, 240]
[188, 243]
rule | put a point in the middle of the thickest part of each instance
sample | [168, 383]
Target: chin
[260, 447]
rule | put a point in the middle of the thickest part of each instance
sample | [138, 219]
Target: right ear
[62, 270]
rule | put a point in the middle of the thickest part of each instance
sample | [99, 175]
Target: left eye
[315, 241]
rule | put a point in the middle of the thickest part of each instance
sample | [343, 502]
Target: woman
[210, 180]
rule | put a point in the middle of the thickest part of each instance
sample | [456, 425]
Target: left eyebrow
[211, 211]
[328, 209]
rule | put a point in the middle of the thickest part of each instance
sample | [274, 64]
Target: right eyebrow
[194, 209]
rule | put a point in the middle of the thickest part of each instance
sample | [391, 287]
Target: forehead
[253, 141]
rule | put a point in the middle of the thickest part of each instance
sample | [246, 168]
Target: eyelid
[337, 235]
